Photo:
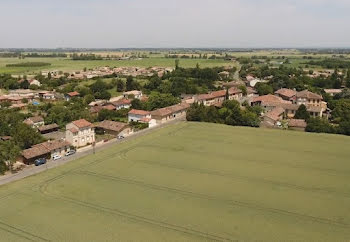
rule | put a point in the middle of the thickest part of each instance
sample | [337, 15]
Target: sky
[174, 23]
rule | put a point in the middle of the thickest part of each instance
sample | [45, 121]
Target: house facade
[135, 115]
[80, 133]
[45, 150]
[167, 114]
[135, 93]
[123, 103]
[70, 95]
[35, 122]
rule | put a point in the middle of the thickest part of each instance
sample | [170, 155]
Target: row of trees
[230, 113]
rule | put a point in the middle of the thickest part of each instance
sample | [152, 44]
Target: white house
[35, 122]
[135, 115]
[34, 82]
[80, 133]
[137, 94]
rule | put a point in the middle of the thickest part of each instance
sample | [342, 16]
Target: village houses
[80, 133]
[46, 150]
[35, 122]
[218, 97]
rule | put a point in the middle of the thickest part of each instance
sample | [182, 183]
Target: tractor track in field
[133, 217]
[329, 171]
[20, 233]
[245, 178]
[123, 155]
[212, 198]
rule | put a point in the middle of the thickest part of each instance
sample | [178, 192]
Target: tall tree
[302, 113]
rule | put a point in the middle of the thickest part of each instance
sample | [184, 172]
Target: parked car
[40, 161]
[120, 137]
[56, 157]
[71, 152]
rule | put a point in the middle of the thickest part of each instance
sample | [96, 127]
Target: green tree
[136, 104]
[177, 63]
[120, 85]
[131, 84]
[89, 98]
[9, 152]
[319, 125]
[25, 136]
[263, 89]
[302, 113]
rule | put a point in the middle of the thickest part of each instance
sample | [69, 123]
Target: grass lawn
[65, 64]
[190, 182]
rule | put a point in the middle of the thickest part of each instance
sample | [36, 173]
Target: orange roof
[109, 107]
[234, 90]
[82, 123]
[44, 148]
[170, 110]
[139, 112]
[269, 99]
[212, 95]
[275, 113]
[286, 92]
[73, 94]
[300, 123]
[122, 102]
[309, 95]
[145, 120]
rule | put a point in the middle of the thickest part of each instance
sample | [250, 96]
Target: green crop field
[190, 182]
[65, 64]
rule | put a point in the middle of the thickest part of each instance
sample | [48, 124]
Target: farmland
[190, 182]
[66, 64]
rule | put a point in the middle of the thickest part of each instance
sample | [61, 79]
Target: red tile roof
[122, 102]
[44, 148]
[139, 112]
[82, 123]
[73, 94]
[286, 92]
[275, 114]
[269, 99]
[162, 112]
[234, 90]
[309, 95]
[298, 123]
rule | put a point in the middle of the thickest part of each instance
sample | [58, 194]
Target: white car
[56, 157]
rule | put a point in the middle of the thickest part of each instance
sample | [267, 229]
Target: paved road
[32, 170]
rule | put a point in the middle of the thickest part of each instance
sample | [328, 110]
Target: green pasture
[65, 64]
[190, 182]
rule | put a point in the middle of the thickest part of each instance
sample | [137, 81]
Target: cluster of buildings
[20, 98]
[107, 71]
[81, 133]
[159, 116]
[285, 103]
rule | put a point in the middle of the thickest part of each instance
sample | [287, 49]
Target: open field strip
[190, 182]
[66, 64]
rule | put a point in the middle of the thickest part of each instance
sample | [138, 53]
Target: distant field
[190, 182]
[66, 64]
